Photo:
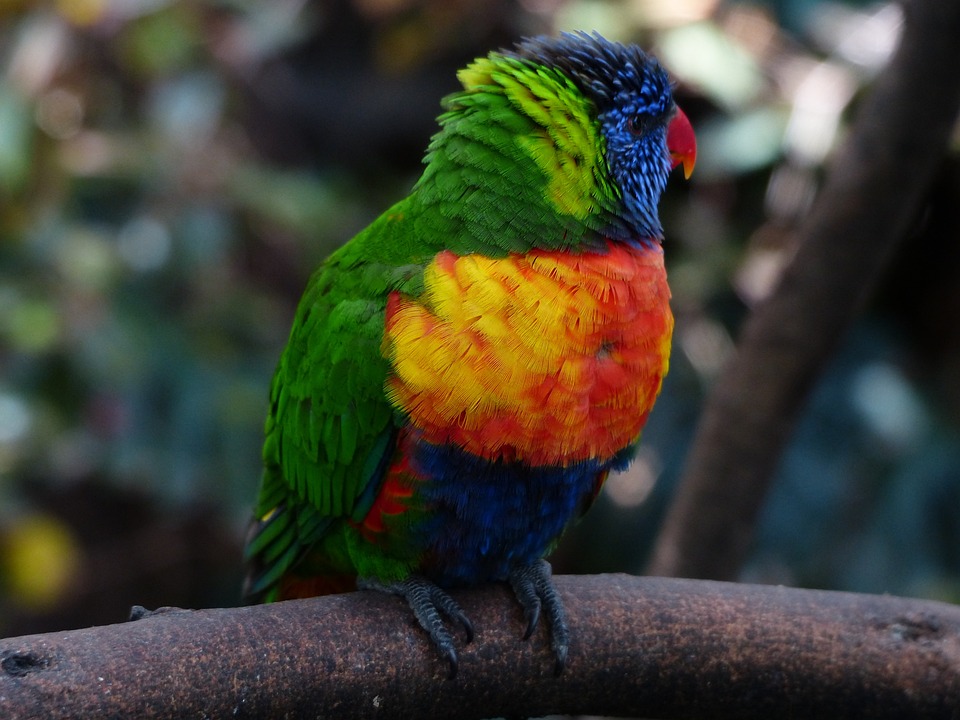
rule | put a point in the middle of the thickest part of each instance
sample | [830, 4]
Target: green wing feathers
[329, 428]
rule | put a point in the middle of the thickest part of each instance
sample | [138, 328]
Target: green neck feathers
[518, 163]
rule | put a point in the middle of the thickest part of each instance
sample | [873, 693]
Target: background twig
[871, 197]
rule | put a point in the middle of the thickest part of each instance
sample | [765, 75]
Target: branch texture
[871, 197]
[649, 647]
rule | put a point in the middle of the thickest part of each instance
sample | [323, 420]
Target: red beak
[682, 143]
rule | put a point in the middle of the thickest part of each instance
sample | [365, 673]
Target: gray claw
[533, 586]
[428, 603]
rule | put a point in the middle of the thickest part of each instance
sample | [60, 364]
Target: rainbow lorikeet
[463, 374]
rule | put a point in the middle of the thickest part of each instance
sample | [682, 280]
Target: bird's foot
[429, 604]
[533, 586]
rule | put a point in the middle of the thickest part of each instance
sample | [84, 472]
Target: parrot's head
[572, 130]
[643, 134]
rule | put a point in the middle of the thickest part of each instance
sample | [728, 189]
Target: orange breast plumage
[549, 358]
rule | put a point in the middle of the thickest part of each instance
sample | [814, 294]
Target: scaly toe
[429, 603]
[534, 588]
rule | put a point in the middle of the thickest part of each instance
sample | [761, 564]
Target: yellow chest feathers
[550, 357]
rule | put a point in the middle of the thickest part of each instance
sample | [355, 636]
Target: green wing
[330, 429]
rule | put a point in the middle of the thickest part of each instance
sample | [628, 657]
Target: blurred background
[172, 170]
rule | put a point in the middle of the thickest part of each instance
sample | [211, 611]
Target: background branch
[872, 196]
[648, 647]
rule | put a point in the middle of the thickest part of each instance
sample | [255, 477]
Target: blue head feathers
[634, 102]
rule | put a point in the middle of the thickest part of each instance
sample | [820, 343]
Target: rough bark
[648, 647]
[872, 195]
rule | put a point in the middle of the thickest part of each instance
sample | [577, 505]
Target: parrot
[463, 374]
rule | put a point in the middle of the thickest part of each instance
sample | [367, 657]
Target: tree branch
[648, 647]
[871, 197]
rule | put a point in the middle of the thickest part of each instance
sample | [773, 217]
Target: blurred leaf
[610, 19]
[740, 144]
[40, 560]
[297, 201]
[16, 421]
[162, 42]
[82, 12]
[703, 56]
[187, 108]
[16, 139]
[30, 326]
[86, 257]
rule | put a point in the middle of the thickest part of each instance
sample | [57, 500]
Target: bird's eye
[638, 124]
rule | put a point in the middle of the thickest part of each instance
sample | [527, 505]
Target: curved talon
[428, 602]
[467, 629]
[448, 606]
[454, 664]
[534, 589]
[533, 619]
[526, 593]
